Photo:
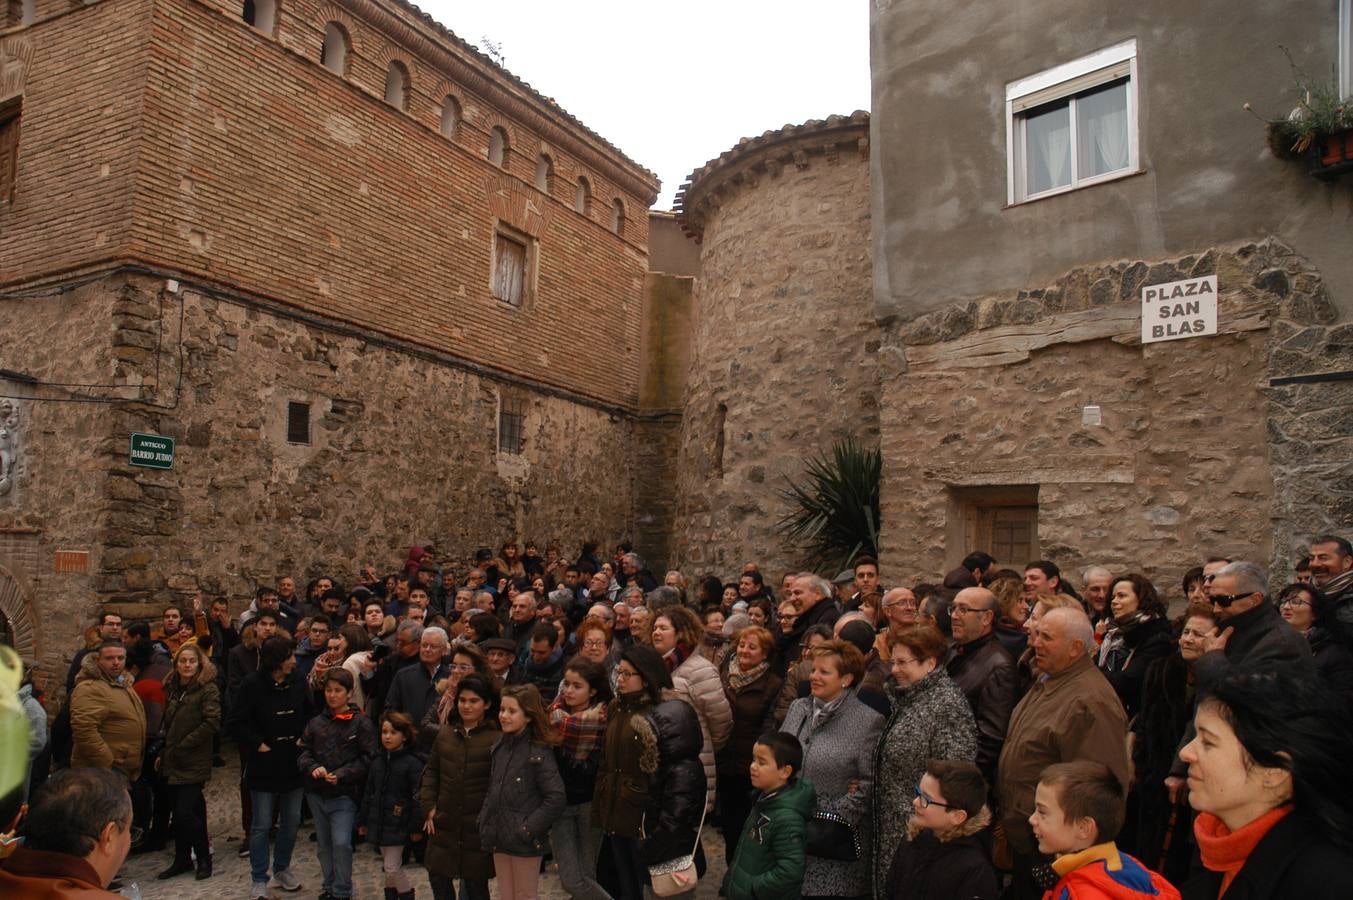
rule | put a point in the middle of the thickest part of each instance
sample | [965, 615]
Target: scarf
[676, 656]
[323, 663]
[738, 679]
[1115, 639]
[582, 732]
[1224, 850]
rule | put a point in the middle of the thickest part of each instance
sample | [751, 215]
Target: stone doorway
[18, 627]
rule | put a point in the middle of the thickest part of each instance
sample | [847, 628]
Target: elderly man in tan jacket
[107, 720]
[1070, 713]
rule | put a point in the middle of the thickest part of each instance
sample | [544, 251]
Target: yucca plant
[834, 512]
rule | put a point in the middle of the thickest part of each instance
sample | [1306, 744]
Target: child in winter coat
[389, 815]
[526, 794]
[944, 852]
[1078, 810]
[769, 860]
[336, 747]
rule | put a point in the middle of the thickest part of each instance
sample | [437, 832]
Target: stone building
[784, 349]
[376, 288]
[1028, 182]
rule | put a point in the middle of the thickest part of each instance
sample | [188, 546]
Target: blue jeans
[576, 845]
[333, 832]
[288, 804]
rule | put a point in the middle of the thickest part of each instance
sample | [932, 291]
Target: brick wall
[259, 169]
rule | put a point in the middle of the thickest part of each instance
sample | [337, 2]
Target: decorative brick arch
[492, 119]
[331, 13]
[511, 202]
[16, 53]
[388, 53]
[18, 610]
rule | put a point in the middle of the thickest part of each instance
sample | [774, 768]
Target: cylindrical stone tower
[785, 340]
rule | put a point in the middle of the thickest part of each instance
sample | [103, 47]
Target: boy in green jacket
[769, 861]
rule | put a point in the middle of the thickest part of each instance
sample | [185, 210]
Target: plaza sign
[152, 451]
[1179, 309]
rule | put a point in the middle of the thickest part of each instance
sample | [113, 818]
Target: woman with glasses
[1268, 775]
[752, 687]
[1306, 609]
[466, 659]
[1162, 826]
[650, 791]
[930, 719]
[839, 735]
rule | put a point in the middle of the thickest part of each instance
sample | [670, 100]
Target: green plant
[1320, 111]
[834, 511]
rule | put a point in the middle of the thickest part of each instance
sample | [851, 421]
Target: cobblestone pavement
[230, 879]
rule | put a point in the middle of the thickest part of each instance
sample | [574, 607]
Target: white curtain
[510, 273]
[1103, 125]
[1048, 144]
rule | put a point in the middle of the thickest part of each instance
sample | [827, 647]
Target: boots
[391, 894]
[408, 896]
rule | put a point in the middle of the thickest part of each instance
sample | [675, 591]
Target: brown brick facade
[174, 134]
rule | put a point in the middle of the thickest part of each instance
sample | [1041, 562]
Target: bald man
[984, 671]
[1070, 713]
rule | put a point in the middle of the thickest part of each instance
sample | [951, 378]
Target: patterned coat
[930, 720]
[838, 758]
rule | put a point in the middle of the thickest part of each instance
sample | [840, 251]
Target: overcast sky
[674, 84]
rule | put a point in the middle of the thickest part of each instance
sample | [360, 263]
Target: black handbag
[828, 836]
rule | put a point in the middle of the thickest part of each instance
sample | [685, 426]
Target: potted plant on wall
[1319, 129]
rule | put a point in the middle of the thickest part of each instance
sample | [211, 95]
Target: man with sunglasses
[1250, 630]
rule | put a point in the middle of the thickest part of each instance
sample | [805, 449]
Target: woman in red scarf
[1269, 776]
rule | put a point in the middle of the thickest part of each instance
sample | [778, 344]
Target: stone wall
[784, 358]
[404, 451]
[1196, 453]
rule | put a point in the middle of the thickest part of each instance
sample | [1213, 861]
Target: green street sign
[152, 451]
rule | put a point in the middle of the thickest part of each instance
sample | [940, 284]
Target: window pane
[1102, 130]
[1047, 144]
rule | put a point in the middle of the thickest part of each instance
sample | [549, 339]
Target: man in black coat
[984, 671]
[414, 688]
[812, 596]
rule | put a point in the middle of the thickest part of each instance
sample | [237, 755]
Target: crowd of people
[1001, 733]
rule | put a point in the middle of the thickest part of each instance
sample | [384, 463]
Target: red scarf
[1224, 850]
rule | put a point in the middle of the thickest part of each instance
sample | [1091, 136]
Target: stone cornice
[767, 154]
[423, 35]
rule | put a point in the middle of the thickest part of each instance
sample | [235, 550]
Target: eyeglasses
[594, 643]
[1294, 601]
[1225, 600]
[926, 800]
[964, 610]
[899, 663]
[625, 673]
[909, 603]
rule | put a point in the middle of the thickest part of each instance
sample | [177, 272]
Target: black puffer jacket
[678, 788]
[344, 744]
[525, 798]
[273, 713]
[390, 802]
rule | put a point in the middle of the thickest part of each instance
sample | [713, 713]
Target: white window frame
[1345, 48]
[1057, 83]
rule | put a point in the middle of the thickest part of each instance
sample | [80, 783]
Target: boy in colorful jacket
[1078, 811]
